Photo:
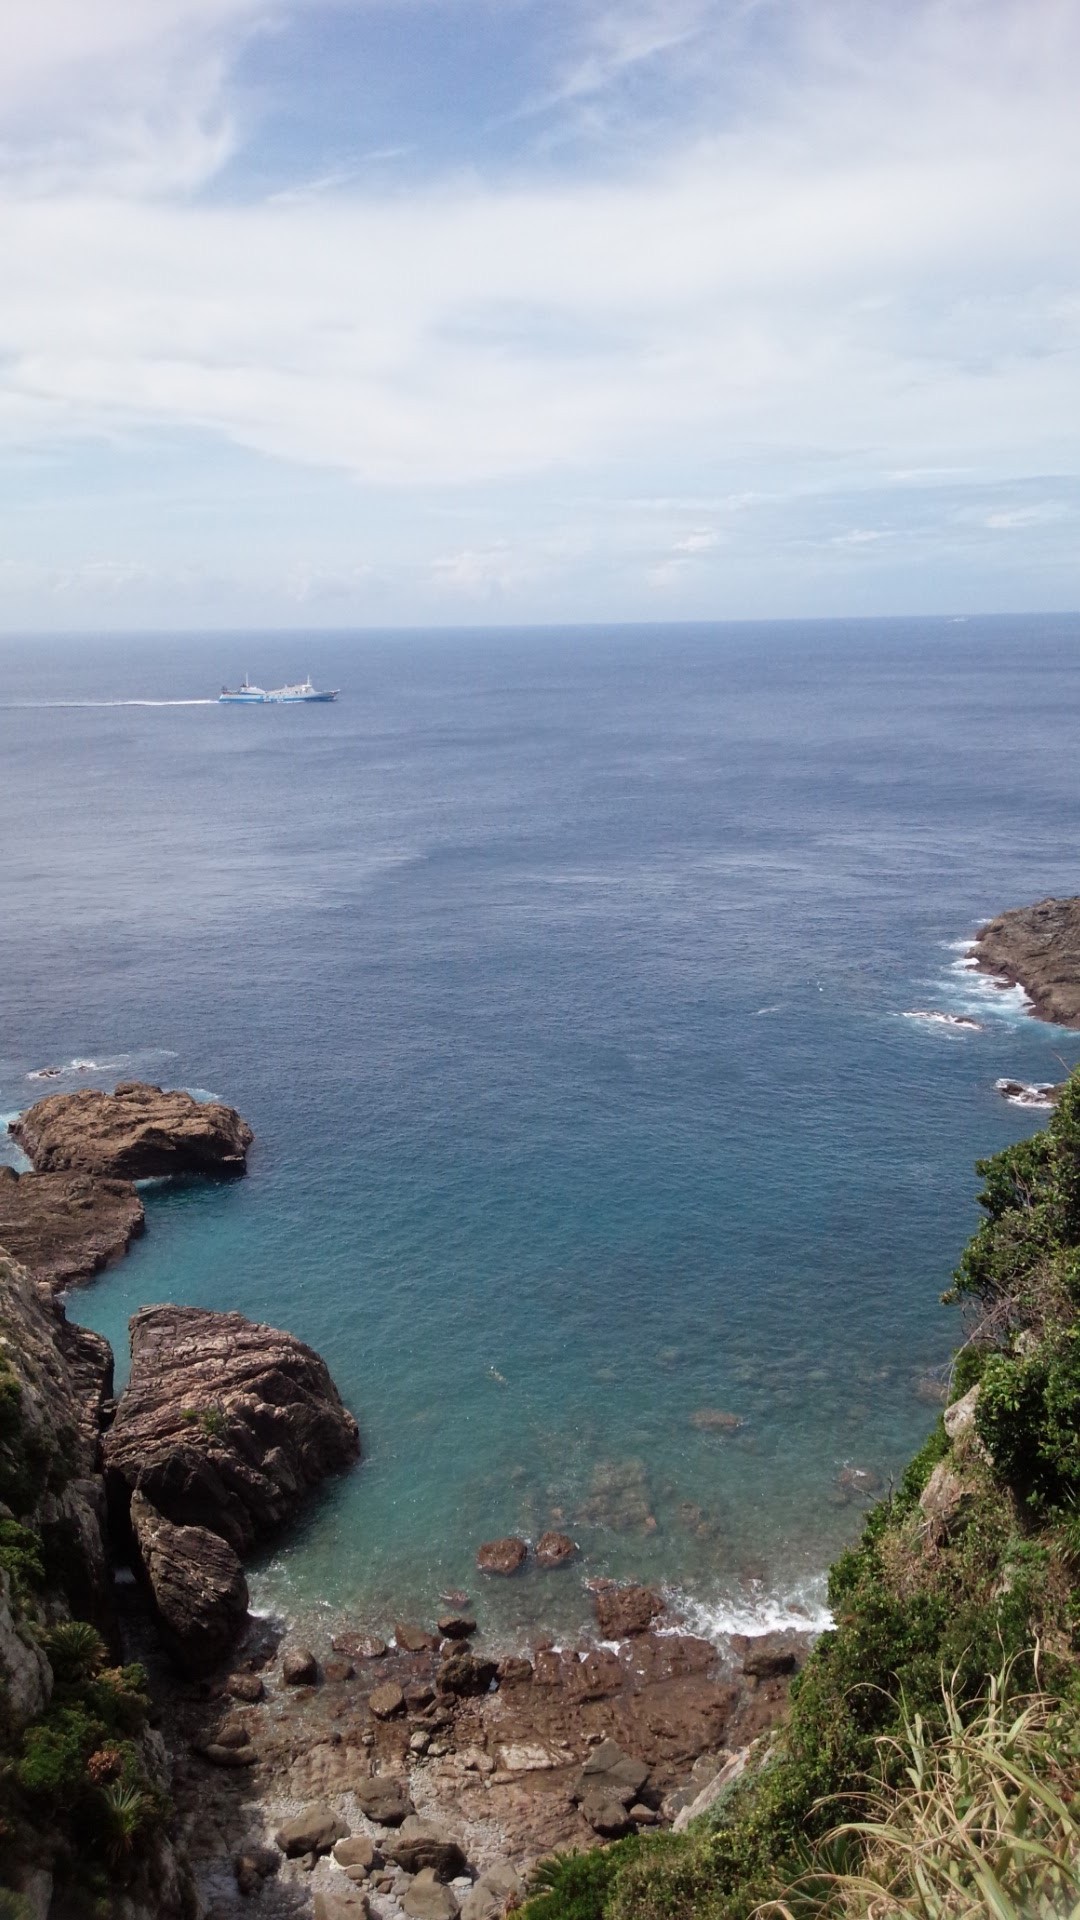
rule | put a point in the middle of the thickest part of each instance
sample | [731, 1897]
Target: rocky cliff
[1037, 948]
[84, 1809]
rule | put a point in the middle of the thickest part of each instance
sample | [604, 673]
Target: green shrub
[20, 1556]
[76, 1652]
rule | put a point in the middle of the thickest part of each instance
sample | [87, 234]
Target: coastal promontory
[1037, 948]
[137, 1132]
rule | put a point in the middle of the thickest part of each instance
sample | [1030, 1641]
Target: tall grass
[982, 1820]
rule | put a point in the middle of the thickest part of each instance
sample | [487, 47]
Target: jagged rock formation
[64, 1227]
[197, 1584]
[134, 1133]
[1037, 948]
[225, 1423]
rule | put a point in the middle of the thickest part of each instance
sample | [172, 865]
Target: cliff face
[83, 1801]
[1038, 948]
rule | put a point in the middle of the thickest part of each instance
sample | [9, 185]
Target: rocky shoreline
[348, 1776]
[1037, 948]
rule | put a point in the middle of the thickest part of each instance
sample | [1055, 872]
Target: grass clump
[984, 1820]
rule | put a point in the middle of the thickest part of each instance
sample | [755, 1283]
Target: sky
[452, 312]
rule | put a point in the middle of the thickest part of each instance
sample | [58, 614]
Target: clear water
[561, 975]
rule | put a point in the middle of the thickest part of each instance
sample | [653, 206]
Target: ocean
[568, 979]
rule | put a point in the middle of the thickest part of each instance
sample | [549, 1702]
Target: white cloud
[866, 280]
[702, 540]
[482, 573]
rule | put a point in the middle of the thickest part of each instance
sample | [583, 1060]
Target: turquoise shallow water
[562, 976]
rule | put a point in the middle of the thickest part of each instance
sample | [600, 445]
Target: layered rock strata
[224, 1428]
[136, 1132]
[65, 1227]
[225, 1423]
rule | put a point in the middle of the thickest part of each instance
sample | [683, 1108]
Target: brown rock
[456, 1626]
[315, 1830]
[196, 1585]
[713, 1420]
[246, 1686]
[300, 1668]
[341, 1903]
[421, 1844]
[419, 1695]
[466, 1673]
[608, 1818]
[1037, 948]
[220, 1756]
[514, 1671]
[767, 1655]
[415, 1639]
[337, 1671]
[428, 1899]
[135, 1133]
[358, 1851]
[387, 1701]
[501, 1556]
[224, 1423]
[621, 1611]
[361, 1646]
[65, 1227]
[609, 1774]
[385, 1800]
[554, 1549]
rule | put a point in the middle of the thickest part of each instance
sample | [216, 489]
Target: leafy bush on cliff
[987, 1575]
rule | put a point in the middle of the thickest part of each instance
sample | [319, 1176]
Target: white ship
[300, 693]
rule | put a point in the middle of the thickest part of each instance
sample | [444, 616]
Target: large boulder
[134, 1133]
[224, 1423]
[421, 1844]
[384, 1799]
[196, 1585]
[65, 1227]
[315, 1830]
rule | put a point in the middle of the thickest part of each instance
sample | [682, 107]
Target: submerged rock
[65, 1227]
[135, 1133]
[224, 1423]
[555, 1549]
[501, 1556]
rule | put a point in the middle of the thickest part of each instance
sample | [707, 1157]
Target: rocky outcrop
[224, 1423]
[196, 1585]
[621, 1611]
[501, 1556]
[135, 1133]
[1037, 948]
[65, 1227]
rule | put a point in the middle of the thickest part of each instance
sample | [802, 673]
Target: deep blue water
[561, 975]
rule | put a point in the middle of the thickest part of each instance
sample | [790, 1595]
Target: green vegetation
[951, 1583]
